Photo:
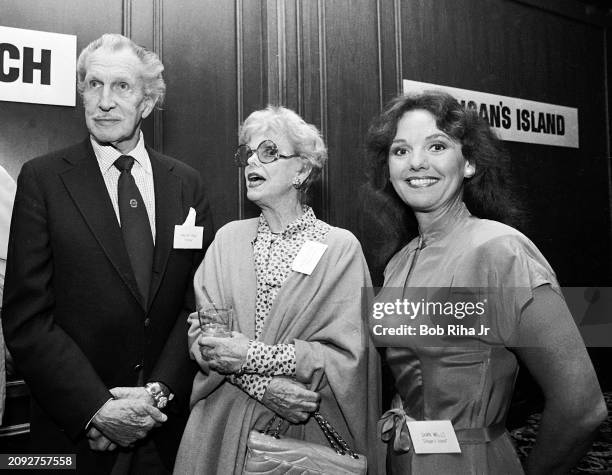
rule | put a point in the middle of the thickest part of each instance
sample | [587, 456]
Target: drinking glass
[216, 319]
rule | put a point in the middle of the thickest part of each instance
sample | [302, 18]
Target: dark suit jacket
[72, 316]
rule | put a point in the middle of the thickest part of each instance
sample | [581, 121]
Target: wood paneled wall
[336, 62]
[523, 49]
[316, 57]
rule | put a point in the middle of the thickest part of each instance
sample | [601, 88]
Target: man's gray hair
[154, 85]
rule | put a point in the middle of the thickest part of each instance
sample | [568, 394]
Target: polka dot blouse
[273, 254]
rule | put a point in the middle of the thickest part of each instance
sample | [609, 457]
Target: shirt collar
[107, 154]
[306, 220]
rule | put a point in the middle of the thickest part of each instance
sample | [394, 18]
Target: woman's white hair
[305, 138]
[152, 67]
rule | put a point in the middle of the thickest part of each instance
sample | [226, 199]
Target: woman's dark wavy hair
[487, 194]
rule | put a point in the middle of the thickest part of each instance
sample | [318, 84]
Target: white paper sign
[433, 437]
[514, 119]
[188, 235]
[308, 257]
[37, 67]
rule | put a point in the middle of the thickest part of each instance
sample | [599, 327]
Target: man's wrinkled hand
[137, 392]
[124, 421]
[290, 399]
[224, 355]
[97, 441]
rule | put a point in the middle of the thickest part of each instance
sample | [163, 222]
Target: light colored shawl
[321, 315]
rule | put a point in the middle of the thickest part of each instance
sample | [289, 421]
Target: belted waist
[392, 425]
[480, 435]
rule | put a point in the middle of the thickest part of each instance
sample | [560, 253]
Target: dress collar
[444, 224]
[306, 220]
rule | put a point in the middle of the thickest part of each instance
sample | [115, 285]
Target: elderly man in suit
[99, 282]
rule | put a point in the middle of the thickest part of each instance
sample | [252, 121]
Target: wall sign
[37, 67]
[514, 119]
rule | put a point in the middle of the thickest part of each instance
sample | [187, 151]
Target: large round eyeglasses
[267, 152]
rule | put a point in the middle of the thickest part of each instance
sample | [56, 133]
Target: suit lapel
[168, 212]
[87, 189]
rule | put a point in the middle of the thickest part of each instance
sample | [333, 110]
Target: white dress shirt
[141, 171]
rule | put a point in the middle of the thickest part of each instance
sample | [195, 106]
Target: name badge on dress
[433, 437]
[308, 257]
[188, 235]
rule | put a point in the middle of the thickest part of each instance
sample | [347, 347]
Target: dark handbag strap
[335, 440]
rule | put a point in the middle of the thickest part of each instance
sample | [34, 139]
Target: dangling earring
[297, 183]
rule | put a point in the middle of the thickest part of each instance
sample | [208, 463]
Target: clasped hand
[224, 355]
[124, 420]
[290, 399]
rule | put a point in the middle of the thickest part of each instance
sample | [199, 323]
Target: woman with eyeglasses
[294, 283]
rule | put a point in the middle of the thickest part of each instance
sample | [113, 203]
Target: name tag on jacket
[188, 235]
